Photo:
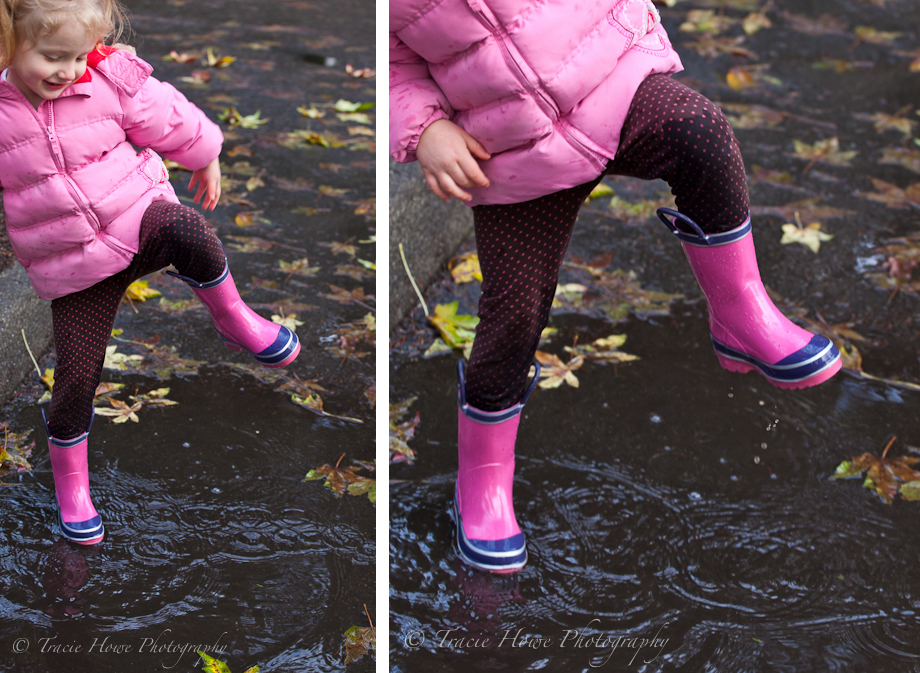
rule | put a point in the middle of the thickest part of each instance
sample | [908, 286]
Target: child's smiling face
[42, 71]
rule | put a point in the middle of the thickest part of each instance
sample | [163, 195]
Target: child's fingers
[435, 187]
[449, 186]
[475, 148]
[472, 173]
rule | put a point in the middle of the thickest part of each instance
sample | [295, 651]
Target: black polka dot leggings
[82, 321]
[671, 132]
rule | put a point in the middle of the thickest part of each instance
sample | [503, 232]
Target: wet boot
[748, 331]
[239, 326]
[78, 519]
[488, 535]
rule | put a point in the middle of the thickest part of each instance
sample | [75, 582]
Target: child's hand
[208, 181]
[446, 154]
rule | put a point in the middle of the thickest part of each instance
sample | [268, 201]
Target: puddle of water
[718, 523]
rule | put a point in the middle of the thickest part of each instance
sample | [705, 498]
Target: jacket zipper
[59, 161]
[548, 104]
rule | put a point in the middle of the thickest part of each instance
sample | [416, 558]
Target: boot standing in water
[519, 110]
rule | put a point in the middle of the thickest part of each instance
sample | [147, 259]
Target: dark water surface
[669, 500]
[213, 540]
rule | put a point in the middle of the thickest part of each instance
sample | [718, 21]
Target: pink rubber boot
[748, 331]
[79, 520]
[488, 535]
[240, 327]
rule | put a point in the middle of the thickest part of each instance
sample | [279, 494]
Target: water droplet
[763, 445]
[761, 403]
[655, 418]
[695, 496]
[757, 460]
[215, 490]
[731, 394]
[722, 461]
[667, 448]
[734, 477]
[186, 445]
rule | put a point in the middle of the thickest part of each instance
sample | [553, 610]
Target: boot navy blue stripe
[81, 530]
[715, 240]
[817, 356]
[510, 553]
[203, 286]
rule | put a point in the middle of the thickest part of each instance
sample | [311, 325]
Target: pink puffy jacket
[74, 189]
[543, 85]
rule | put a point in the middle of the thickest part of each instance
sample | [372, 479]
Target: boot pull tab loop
[533, 383]
[670, 224]
[461, 389]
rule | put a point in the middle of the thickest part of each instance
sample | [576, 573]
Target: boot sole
[478, 558]
[232, 345]
[97, 533]
[817, 378]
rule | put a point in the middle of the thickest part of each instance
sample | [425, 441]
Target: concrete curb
[429, 229]
[20, 309]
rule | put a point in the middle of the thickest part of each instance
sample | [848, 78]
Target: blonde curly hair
[24, 21]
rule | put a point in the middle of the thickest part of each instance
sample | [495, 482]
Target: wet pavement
[213, 539]
[680, 517]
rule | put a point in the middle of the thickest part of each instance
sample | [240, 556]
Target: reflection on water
[212, 539]
[665, 499]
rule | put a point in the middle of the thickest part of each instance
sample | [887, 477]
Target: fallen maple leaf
[141, 291]
[893, 196]
[401, 432]
[179, 58]
[706, 21]
[358, 642]
[824, 151]
[120, 361]
[315, 404]
[359, 72]
[755, 22]
[219, 61]
[299, 267]
[603, 350]
[337, 479]
[290, 321]
[811, 236]
[875, 36]
[120, 411]
[886, 122]
[342, 105]
[465, 268]
[901, 156]
[345, 248]
[364, 486]
[554, 372]
[212, 665]
[232, 116]
[457, 330]
[883, 475]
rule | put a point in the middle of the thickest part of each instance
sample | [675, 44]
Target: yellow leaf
[755, 22]
[140, 291]
[290, 321]
[810, 236]
[311, 112]
[465, 268]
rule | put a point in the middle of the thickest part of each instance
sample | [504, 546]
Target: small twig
[421, 299]
[371, 621]
[37, 368]
[339, 461]
[890, 442]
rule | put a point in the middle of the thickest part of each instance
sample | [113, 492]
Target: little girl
[519, 108]
[87, 214]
